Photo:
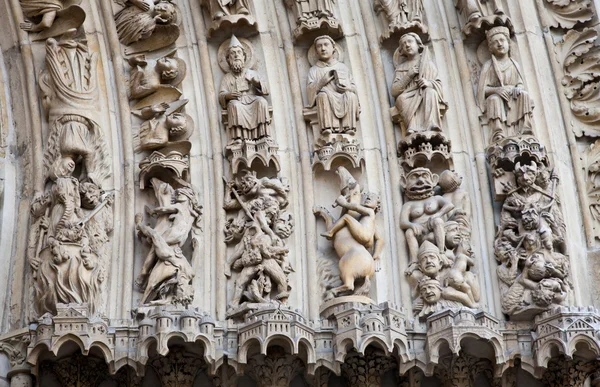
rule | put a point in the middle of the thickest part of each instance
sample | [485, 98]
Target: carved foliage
[179, 368]
[563, 372]
[567, 13]
[274, 370]
[462, 370]
[367, 370]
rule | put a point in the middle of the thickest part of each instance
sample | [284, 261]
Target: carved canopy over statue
[242, 95]
[418, 91]
[356, 241]
[478, 14]
[229, 14]
[530, 244]
[507, 107]
[73, 219]
[332, 90]
[438, 234]
[260, 228]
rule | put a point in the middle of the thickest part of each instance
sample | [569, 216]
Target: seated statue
[242, 94]
[138, 20]
[506, 104]
[332, 90]
[417, 89]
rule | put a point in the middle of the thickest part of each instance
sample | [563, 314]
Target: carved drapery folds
[229, 15]
[400, 17]
[246, 113]
[333, 109]
[50, 18]
[315, 17]
[72, 219]
[355, 239]
[481, 15]
[258, 230]
[147, 25]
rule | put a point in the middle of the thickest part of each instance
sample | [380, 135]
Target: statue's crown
[497, 30]
[234, 42]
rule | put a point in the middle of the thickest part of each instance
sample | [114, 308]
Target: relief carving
[354, 234]
[155, 81]
[166, 275]
[259, 230]
[72, 220]
[247, 114]
[147, 25]
[530, 244]
[417, 89]
[333, 105]
[275, 369]
[438, 234]
[229, 15]
[51, 18]
[502, 98]
[401, 17]
[566, 14]
[591, 162]
[315, 17]
[479, 15]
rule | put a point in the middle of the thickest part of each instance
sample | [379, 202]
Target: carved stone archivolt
[355, 239]
[333, 108]
[72, 219]
[259, 231]
[246, 113]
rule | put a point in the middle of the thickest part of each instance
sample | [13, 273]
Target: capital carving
[276, 369]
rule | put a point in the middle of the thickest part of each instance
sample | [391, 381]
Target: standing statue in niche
[332, 90]
[260, 228]
[229, 15]
[506, 104]
[242, 95]
[73, 219]
[354, 234]
[418, 91]
[477, 12]
[423, 213]
[166, 275]
[147, 25]
[530, 244]
[400, 12]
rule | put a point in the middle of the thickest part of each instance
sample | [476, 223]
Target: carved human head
[419, 183]
[168, 68]
[530, 217]
[62, 167]
[247, 181]
[325, 47]
[430, 261]
[547, 292]
[236, 55]
[177, 124]
[410, 44]
[371, 200]
[284, 225]
[165, 10]
[498, 39]
[430, 290]
[526, 174]
[449, 181]
[452, 234]
[90, 195]
[537, 267]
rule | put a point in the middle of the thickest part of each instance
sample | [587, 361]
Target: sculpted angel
[416, 88]
[332, 90]
[140, 18]
[242, 95]
[501, 94]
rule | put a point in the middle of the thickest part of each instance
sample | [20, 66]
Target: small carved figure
[260, 228]
[417, 89]
[423, 213]
[501, 94]
[332, 90]
[141, 19]
[219, 9]
[472, 10]
[307, 9]
[164, 122]
[400, 12]
[166, 74]
[242, 95]
[166, 274]
[45, 10]
[355, 238]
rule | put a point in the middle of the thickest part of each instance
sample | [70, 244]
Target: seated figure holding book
[332, 90]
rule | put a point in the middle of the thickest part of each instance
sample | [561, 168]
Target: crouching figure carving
[356, 241]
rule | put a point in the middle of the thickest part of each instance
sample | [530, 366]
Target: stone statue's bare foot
[327, 235]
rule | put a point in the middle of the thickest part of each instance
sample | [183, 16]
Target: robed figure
[418, 91]
[242, 94]
[332, 90]
[500, 94]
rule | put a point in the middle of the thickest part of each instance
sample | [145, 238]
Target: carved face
[430, 264]
[371, 200]
[530, 219]
[64, 167]
[498, 44]
[526, 175]
[247, 183]
[168, 68]
[324, 49]
[409, 46]
[537, 268]
[90, 195]
[236, 58]
[283, 225]
[453, 236]
[176, 123]
[165, 10]
[420, 182]
[430, 292]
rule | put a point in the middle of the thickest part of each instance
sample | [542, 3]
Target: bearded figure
[242, 95]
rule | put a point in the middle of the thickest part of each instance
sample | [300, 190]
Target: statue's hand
[341, 200]
[516, 92]
[424, 83]
[141, 4]
[413, 70]
[505, 93]
[233, 95]
[417, 229]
